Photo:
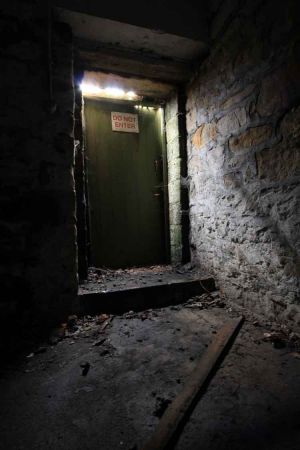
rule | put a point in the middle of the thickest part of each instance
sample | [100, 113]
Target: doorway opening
[128, 172]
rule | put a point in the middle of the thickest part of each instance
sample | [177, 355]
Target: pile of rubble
[283, 337]
[205, 301]
[75, 328]
[86, 326]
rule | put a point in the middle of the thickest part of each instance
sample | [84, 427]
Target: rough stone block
[238, 97]
[204, 135]
[232, 180]
[174, 170]
[251, 138]
[278, 163]
[215, 158]
[279, 90]
[172, 129]
[231, 122]
[175, 235]
[175, 213]
[191, 120]
[176, 254]
[171, 109]
[173, 150]
[174, 191]
[290, 125]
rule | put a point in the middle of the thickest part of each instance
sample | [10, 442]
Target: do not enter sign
[125, 122]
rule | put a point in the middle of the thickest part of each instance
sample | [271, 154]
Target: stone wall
[243, 116]
[174, 167]
[38, 253]
[80, 187]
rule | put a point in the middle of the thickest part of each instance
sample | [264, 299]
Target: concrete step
[144, 297]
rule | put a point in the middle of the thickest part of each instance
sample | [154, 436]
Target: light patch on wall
[93, 90]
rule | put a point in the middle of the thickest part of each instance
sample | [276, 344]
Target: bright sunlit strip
[114, 92]
[89, 88]
[108, 92]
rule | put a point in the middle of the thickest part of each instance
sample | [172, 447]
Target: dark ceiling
[188, 18]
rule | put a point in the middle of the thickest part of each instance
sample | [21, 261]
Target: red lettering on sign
[124, 122]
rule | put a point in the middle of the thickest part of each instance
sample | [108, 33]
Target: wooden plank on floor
[176, 414]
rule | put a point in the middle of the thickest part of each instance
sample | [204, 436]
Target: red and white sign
[125, 122]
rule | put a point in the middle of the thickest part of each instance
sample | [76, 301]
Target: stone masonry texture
[243, 124]
[38, 232]
[174, 177]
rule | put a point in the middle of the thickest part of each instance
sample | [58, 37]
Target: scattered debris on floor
[77, 328]
[85, 368]
[283, 338]
[99, 342]
[82, 326]
[148, 314]
[161, 406]
[94, 327]
[103, 279]
[188, 267]
[207, 300]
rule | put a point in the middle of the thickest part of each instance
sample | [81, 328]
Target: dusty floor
[105, 384]
[100, 280]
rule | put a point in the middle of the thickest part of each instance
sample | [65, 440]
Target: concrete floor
[105, 385]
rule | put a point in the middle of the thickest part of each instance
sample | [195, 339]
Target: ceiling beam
[131, 63]
[145, 88]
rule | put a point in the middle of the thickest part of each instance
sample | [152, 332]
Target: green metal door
[125, 183]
